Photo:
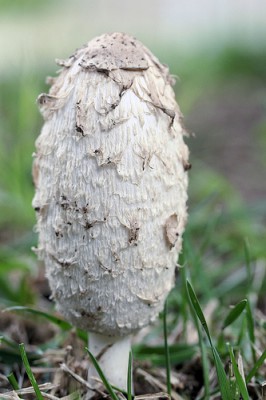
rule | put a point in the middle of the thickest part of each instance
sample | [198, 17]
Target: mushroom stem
[112, 354]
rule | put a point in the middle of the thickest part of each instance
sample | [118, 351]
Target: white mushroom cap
[111, 185]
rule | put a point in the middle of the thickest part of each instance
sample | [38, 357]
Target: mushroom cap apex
[114, 51]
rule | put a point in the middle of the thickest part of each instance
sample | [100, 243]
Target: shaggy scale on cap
[110, 172]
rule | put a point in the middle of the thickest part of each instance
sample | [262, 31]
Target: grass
[221, 375]
[129, 377]
[166, 351]
[29, 372]
[107, 385]
[208, 344]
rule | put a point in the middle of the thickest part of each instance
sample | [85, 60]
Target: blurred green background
[217, 51]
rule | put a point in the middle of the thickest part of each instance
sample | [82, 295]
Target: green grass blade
[242, 333]
[129, 377]
[180, 352]
[235, 313]
[222, 379]
[205, 368]
[198, 310]
[166, 348]
[239, 380]
[13, 382]
[250, 323]
[10, 354]
[8, 342]
[102, 376]
[247, 262]
[64, 325]
[203, 349]
[255, 368]
[9, 357]
[251, 330]
[29, 372]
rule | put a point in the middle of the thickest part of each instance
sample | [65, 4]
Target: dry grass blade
[10, 395]
[241, 366]
[121, 396]
[72, 396]
[78, 378]
[160, 396]
[44, 370]
[153, 381]
[49, 396]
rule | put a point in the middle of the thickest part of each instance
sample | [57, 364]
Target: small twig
[159, 384]
[3, 378]
[49, 396]
[78, 378]
[72, 396]
[43, 370]
[160, 395]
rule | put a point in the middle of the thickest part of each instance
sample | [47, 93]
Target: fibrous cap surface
[111, 185]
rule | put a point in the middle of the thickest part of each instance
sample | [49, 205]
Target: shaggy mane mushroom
[110, 173]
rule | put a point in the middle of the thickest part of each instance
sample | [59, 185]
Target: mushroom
[110, 172]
